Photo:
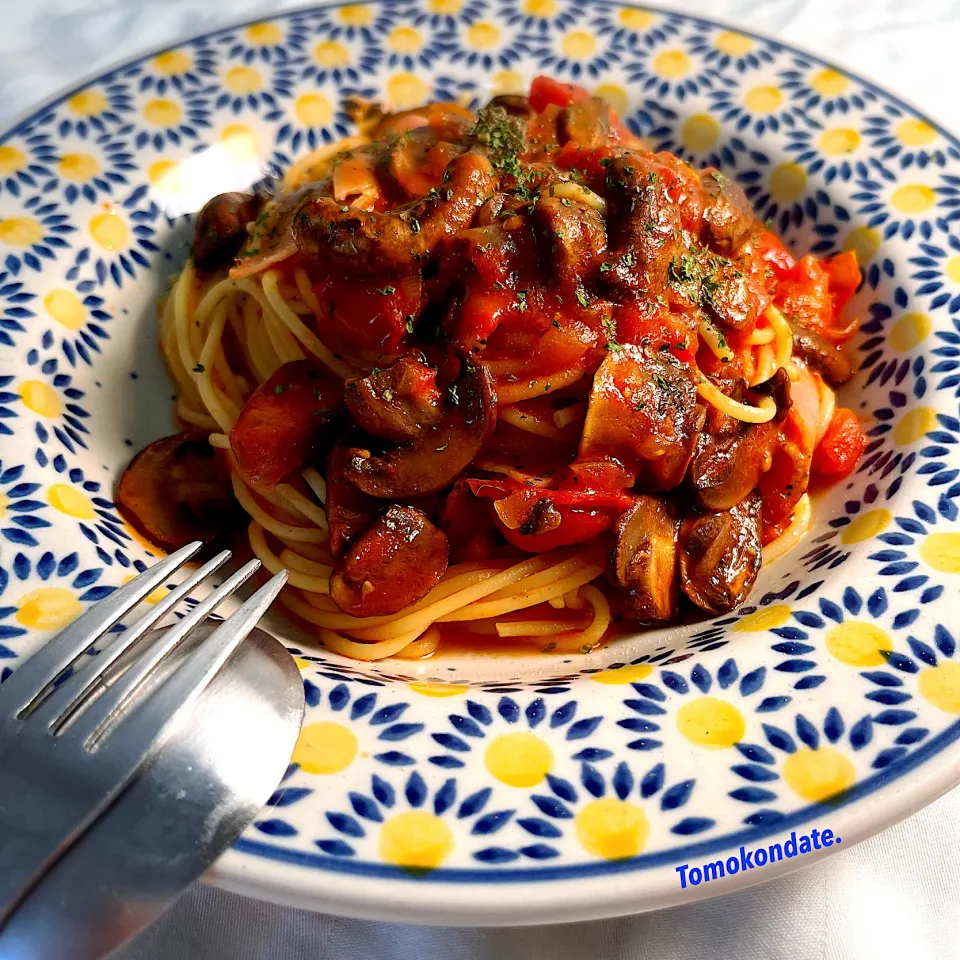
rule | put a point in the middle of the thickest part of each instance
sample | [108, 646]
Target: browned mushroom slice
[398, 241]
[515, 104]
[397, 562]
[570, 236]
[442, 452]
[730, 460]
[585, 122]
[729, 296]
[221, 228]
[397, 403]
[176, 490]
[643, 225]
[643, 413]
[643, 559]
[728, 215]
[826, 358]
[720, 555]
[349, 511]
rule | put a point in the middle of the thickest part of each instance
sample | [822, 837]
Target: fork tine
[85, 722]
[21, 688]
[178, 691]
[71, 691]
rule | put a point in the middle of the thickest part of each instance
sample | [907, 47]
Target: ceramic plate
[551, 788]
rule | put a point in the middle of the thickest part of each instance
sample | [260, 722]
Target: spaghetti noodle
[489, 373]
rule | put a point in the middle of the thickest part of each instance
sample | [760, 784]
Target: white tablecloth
[895, 896]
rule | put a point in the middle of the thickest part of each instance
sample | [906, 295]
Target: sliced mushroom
[221, 228]
[514, 104]
[643, 559]
[728, 215]
[586, 122]
[284, 422]
[830, 360]
[397, 562]
[177, 490]
[441, 453]
[570, 236]
[397, 403]
[398, 241]
[720, 555]
[643, 412]
[643, 223]
[349, 511]
[729, 462]
[730, 297]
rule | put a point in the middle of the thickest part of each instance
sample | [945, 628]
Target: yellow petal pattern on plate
[913, 198]
[330, 53]
[264, 34]
[483, 35]
[763, 99]
[711, 722]
[829, 82]
[867, 525]
[864, 241]
[612, 829]
[20, 231]
[914, 425]
[942, 551]
[172, 63]
[787, 182]
[71, 501]
[910, 331]
[87, 103]
[766, 618]
[859, 644]
[325, 748]
[818, 775]
[671, 64]
[632, 673]
[940, 685]
[11, 159]
[415, 839]
[699, 133]
[48, 608]
[41, 398]
[243, 80]
[162, 112]
[732, 43]
[519, 759]
[839, 141]
[110, 230]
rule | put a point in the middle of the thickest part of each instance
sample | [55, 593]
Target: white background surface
[895, 896]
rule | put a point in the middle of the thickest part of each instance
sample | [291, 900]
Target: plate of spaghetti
[591, 372]
[484, 372]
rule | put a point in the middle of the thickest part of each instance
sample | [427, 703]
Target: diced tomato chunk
[545, 91]
[843, 277]
[282, 424]
[364, 316]
[576, 515]
[804, 296]
[841, 448]
[768, 251]
[577, 525]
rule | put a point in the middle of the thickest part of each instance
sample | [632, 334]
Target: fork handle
[35, 832]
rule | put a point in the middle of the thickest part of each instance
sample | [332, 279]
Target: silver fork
[68, 748]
